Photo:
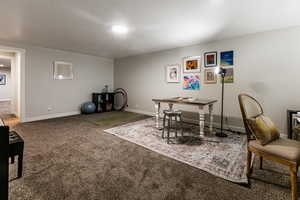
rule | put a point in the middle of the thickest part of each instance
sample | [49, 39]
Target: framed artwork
[2, 79]
[227, 58]
[172, 73]
[191, 81]
[210, 59]
[210, 76]
[229, 78]
[192, 64]
[63, 70]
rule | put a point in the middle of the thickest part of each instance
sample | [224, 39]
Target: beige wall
[267, 66]
[62, 96]
[46, 97]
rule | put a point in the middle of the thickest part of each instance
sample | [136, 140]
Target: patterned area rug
[222, 157]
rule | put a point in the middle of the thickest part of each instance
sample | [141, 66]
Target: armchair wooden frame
[293, 166]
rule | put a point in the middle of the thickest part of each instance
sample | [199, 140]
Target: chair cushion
[264, 129]
[283, 148]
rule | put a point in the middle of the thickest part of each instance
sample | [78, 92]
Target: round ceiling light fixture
[119, 29]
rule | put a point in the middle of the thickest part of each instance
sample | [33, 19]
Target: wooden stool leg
[164, 126]
[293, 172]
[260, 162]
[175, 126]
[168, 133]
[249, 159]
[20, 165]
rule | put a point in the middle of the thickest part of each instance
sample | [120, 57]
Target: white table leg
[201, 120]
[157, 113]
[211, 118]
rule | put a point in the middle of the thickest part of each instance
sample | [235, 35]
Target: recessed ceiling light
[119, 29]
[217, 2]
[1, 65]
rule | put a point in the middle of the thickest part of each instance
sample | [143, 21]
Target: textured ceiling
[85, 25]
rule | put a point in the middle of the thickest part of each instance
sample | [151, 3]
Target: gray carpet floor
[73, 158]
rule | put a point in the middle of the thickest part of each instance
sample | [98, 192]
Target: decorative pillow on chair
[264, 129]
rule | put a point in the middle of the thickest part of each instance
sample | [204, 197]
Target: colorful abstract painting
[192, 64]
[210, 59]
[227, 58]
[2, 79]
[191, 82]
[229, 78]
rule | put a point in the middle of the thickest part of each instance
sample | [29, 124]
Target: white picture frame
[210, 77]
[192, 64]
[173, 73]
[63, 70]
[211, 59]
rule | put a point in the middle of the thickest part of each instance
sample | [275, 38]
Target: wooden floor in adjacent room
[73, 158]
[6, 114]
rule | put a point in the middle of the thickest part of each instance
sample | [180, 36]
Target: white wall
[267, 66]
[6, 90]
[62, 97]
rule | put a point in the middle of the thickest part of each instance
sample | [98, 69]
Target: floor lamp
[222, 72]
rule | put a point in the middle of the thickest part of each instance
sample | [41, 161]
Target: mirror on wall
[63, 70]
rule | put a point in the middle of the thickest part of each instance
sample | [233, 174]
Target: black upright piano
[4, 145]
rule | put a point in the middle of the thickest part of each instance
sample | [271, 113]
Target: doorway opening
[12, 99]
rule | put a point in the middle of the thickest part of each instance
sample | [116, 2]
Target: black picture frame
[2, 79]
[215, 59]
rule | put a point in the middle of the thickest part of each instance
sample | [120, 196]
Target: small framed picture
[229, 75]
[210, 76]
[210, 59]
[172, 73]
[227, 58]
[191, 81]
[63, 70]
[192, 64]
[2, 79]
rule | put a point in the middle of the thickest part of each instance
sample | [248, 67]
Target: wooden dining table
[199, 103]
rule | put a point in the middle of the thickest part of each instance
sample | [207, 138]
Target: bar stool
[169, 115]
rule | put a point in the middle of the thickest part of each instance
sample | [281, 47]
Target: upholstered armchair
[275, 148]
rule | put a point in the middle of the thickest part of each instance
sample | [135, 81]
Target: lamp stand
[221, 133]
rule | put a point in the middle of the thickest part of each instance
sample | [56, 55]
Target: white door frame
[20, 67]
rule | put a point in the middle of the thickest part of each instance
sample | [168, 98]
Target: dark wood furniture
[4, 144]
[290, 114]
[172, 117]
[16, 148]
[283, 151]
[104, 101]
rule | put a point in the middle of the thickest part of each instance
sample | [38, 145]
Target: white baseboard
[140, 111]
[57, 115]
[5, 99]
[51, 116]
